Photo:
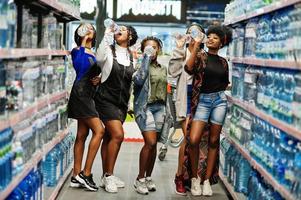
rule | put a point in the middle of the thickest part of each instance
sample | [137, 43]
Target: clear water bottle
[149, 50]
[195, 32]
[109, 23]
[250, 38]
[83, 30]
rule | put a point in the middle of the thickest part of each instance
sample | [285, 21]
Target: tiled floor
[127, 169]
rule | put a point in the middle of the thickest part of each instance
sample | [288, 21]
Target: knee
[213, 143]
[99, 132]
[151, 145]
[193, 143]
[118, 138]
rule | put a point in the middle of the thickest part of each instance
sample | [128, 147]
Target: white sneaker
[140, 186]
[101, 183]
[119, 183]
[207, 191]
[196, 187]
[109, 184]
[150, 184]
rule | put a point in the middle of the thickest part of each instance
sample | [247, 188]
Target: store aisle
[127, 169]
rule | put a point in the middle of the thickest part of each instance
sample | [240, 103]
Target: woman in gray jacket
[184, 90]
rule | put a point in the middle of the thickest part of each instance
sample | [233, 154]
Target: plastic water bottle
[149, 50]
[26, 188]
[83, 30]
[50, 168]
[109, 23]
[16, 194]
[250, 38]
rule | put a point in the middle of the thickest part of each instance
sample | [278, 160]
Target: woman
[209, 104]
[184, 90]
[150, 88]
[81, 106]
[113, 96]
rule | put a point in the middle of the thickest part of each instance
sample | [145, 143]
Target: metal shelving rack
[289, 129]
[63, 14]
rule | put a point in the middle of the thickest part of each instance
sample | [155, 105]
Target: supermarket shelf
[67, 12]
[289, 129]
[38, 155]
[20, 53]
[270, 8]
[51, 193]
[15, 118]
[267, 63]
[266, 175]
[235, 195]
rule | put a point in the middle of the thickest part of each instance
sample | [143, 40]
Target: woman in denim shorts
[150, 91]
[180, 55]
[208, 105]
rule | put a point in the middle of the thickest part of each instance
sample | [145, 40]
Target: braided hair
[223, 32]
[157, 40]
[78, 39]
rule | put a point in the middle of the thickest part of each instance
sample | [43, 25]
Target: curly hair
[157, 40]
[78, 39]
[223, 32]
[133, 36]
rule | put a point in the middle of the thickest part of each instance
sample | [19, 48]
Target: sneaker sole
[82, 181]
[196, 195]
[179, 193]
[120, 186]
[152, 190]
[207, 195]
[75, 185]
[139, 191]
[110, 191]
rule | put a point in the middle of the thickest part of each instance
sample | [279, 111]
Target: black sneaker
[87, 181]
[75, 183]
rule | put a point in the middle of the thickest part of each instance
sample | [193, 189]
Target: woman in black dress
[113, 95]
[81, 106]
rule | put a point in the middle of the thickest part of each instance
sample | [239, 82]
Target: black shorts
[108, 111]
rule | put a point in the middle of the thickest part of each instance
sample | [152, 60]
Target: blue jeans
[213, 107]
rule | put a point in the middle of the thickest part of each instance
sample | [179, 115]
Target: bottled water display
[57, 161]
[271, 90]
[31, 187]
[240, 7]
[259, 189]
[272, 148]
[8, 18]
[274, 35]
[6, 157]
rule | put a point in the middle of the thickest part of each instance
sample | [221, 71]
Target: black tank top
[116, 89]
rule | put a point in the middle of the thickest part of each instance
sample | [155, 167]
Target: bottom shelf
[235, 195]
[51, 193]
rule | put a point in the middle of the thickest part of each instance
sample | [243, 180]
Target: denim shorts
[213, 107]
[155, 115]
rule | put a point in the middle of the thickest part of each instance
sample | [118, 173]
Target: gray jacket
[176, 70]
